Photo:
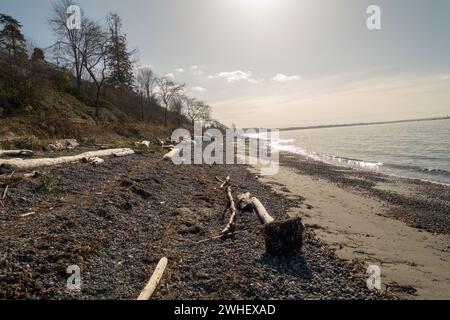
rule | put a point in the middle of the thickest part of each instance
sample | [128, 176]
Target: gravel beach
[117, 220]
[400, 225]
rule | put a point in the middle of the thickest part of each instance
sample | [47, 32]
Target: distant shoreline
[363, 124]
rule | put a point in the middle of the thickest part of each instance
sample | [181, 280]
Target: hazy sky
[278, 63]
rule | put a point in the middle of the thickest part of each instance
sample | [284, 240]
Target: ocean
[412, 149]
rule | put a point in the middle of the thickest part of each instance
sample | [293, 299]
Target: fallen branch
[147, 293]
[222, 236]
[16, 153]
[20, 164]
[232, 223]
[5, 193]
[27, 214]
[263, 215]
[230, 228]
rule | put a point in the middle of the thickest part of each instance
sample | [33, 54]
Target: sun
[256, 5]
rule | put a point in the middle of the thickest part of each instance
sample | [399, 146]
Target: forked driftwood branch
[150, 288]
[231, 226]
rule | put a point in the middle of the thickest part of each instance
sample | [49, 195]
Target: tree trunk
[165, 115]
[142, 108]
[97, 103]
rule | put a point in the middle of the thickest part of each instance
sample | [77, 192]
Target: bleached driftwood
[245, 201]
[16, 153]
[232, 222]
[263, 215]
[20, 164]
[94, 161]
[5, 193]
[171, 154]
[230, 228]
[150, 288]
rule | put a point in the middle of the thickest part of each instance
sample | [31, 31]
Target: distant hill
[363, 124]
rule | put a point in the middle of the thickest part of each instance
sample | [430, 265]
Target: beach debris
[63, 144]
[143, 143]
[171, 154]
[282, 238]
[28, 214]
[21, 164]
[95, 161]
[5, 193]
[16, 153]
[230, 228]
[150, 288]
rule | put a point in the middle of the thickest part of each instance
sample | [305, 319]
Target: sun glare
[256, 5]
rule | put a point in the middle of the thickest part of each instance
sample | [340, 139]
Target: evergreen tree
[118, 57]
[12, 41]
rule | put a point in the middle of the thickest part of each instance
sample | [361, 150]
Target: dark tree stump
[284, 239]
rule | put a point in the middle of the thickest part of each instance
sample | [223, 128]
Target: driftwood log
[20, 164]
[282, 238]
[150, 288]
[171, 154]
[16, 153]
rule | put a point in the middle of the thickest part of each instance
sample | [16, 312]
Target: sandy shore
[362, 216]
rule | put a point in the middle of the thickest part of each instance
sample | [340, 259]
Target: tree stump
[284, 239]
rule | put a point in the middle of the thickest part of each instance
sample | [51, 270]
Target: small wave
[419, 169]
[282, 145]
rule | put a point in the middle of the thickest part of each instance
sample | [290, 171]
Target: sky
[282, 63]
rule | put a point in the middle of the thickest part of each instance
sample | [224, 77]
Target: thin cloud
[235, 76]
[179, 70]
[197, 70]
[284, 78]
[199, 89]
[170, 76]
[444, 78]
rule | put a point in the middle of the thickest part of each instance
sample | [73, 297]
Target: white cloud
[284, 78]
[444, 78]
[170, 76]
[235, 76]
[197, 70]
[179, 70]
[199, 89]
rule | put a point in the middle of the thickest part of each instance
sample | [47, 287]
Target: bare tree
[178, 107]
[168, 90]
[197, 110]
[147, 82]
[93, 52]
[69, 40]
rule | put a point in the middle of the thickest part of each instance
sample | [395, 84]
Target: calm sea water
[414, 149]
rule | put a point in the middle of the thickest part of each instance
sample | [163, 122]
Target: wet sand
[362, 225]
